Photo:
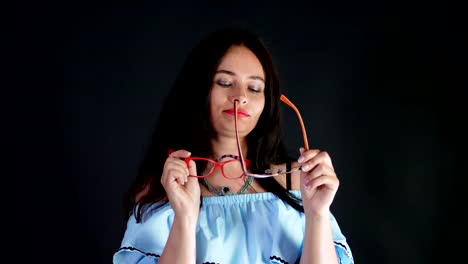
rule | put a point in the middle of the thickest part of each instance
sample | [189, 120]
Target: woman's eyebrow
[253, 77]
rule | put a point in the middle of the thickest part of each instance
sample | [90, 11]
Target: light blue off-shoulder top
[244, 228]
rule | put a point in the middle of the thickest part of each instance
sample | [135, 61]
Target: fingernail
[305, 167]
[301, 159]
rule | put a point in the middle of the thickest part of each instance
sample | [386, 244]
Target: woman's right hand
[182, 191]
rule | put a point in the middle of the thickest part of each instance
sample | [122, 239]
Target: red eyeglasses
[230, 168]
[236, 166]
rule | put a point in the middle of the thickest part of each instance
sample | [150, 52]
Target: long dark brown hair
[184, 121]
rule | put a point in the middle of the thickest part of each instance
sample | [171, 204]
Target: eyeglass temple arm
[243, 165]
[304, 134]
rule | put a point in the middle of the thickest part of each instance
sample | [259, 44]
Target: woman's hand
[182, 191]
[318, 182]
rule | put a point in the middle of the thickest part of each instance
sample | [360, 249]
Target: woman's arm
[183, 193]
[180, 246]
[318, 184]
[318, 241]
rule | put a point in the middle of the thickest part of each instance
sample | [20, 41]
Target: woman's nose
[240, 96]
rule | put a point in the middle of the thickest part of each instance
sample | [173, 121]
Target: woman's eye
[255, 89]
[224, 83]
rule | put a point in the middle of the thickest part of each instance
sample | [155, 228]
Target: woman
[224, 110]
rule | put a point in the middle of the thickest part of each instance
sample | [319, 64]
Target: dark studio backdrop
[378, 86]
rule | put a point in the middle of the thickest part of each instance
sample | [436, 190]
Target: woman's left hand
[318, 182]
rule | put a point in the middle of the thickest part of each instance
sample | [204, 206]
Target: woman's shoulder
[154, 212]
[146, 238]
[156, 219]
[294, 177]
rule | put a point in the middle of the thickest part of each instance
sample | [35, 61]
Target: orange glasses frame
[284, 99]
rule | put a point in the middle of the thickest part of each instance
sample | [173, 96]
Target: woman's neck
[228, 145]
[223, 145]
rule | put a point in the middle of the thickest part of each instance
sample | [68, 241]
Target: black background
[380, 86]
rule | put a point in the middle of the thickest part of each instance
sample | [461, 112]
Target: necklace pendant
[225, 190]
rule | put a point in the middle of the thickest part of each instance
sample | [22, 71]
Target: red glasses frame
[245, 163]
[215, 166]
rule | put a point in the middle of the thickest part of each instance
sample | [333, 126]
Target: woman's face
[239, 76]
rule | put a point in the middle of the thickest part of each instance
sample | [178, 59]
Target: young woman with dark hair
[217, 184]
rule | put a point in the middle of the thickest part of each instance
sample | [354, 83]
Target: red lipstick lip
[239, 112]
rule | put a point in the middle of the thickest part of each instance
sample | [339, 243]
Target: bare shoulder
[295, 176]
[142, 193]
[282, 178]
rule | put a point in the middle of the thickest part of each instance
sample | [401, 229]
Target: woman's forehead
[241, 61]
